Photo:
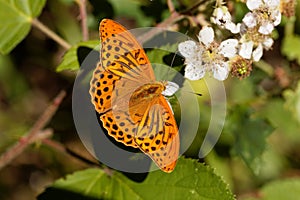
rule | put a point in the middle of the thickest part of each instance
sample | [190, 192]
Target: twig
[35, 134]
[171, 6]
[162, 26]
[36, 23]
[83, 18]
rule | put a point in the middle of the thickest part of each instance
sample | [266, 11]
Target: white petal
[268, 43]
[228, 48]
[250, 20]
[218, 14]
[254, 4]
[234, 28]
[276, 15]
[246, 50]
[206, 35]
[257, 53]
[194, 73]
[221, 71]
[188, 48]
[272, 3]
[171, 88]
[266, 28]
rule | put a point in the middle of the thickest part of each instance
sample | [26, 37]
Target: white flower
[188, 48]
[250, 20]
[221, 71]
[206, 36]
[254, 4]
[222, 17]
[194, 72]
[246, 49]
[207, 55]
[228, 48]
[266, 28]
[267, 43]
[257, 53]
[264, 13]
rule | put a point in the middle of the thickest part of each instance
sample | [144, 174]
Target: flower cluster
[232, 55]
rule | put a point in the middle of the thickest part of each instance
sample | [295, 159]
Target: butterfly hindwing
[157, 134]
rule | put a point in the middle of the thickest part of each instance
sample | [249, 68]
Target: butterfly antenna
[195, 93]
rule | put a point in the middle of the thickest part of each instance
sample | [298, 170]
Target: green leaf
[189, 180]
[16, 17]
[282, 119]
[290, 47]
[293, 101]
[282, 189]
[131, 9]
[250, 136]
[156, 57]
[70, 60]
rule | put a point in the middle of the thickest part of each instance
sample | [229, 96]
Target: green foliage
[281, 189]
[281, 119]
[131, 9]
[290, 47]
[156, 57]
[250, 135]
[277, 190]
[66, 25]
[293, 101]
[70, 60]
[16, 17]
[189, 180]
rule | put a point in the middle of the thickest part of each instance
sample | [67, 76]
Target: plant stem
[83, 17]
[36, 23]
[163, 26]
[171, 6]
[35, 134]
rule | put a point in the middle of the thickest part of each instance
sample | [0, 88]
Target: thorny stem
[83, 18]
[35, 134]
[36, 23]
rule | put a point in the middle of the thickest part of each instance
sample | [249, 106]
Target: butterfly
[130, 101]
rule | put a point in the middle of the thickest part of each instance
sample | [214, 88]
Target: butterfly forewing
[122, 54]
[129, 100]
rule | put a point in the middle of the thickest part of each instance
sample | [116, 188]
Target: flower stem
[36, 23]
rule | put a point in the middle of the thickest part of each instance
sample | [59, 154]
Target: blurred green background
[258, 153]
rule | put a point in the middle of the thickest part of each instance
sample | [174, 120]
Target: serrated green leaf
[250, 136]
[293, 101]
[189, 180]
[70, 60]
[16, 17]
[282, 189]
[290, 47]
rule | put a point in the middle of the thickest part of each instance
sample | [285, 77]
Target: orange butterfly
[129, 99]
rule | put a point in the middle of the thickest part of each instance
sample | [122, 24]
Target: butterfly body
[129, 99]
